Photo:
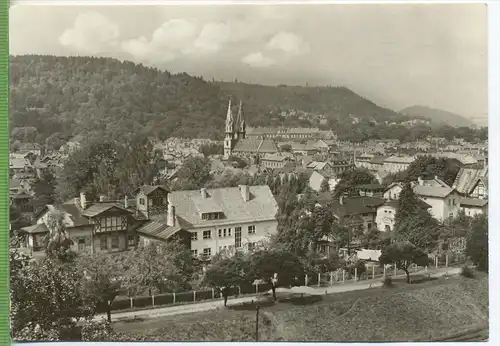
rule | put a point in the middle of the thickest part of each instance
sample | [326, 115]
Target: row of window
[113, 223]
[450, 201]
[223, 232]
[153, 201]
[208, 251]
[115, 241]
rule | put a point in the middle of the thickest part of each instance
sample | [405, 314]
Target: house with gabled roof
[473, 206]
[472, 182]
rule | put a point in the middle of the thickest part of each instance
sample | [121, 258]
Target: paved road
[212, 305]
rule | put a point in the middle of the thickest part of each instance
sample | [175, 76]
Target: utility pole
[257, 325]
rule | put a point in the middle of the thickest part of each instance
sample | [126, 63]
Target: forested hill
[338, 103]
[437, 116]
[61, 97]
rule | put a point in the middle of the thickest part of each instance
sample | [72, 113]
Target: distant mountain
[437, 116]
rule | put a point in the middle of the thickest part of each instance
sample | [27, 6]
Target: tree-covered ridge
[107, 98]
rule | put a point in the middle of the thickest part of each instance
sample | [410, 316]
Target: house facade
[444, 201]
[230, 219]
[474, 206]
[396, 164]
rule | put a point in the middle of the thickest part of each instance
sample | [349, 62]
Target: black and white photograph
[248, 172]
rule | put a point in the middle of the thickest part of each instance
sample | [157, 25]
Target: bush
[467, 272]
[387, 282]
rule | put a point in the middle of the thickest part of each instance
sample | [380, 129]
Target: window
[369, 225]
[220, 233]
[454, 202]
[114, 242]
[142, 201]
[104, 242]
[387, 228]
[194, 236]
[207, 235]
[449, 202]
[159, 201]
[251, 246]
[131, 240]
[113, 223]
[150, 202]
[194, 253]
[237, 237]
[229, 232]
[81, 244]
[207, 251]
[251, 230]
[450, 214]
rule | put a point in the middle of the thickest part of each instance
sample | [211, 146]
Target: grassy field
[429, 310]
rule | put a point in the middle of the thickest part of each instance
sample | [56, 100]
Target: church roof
[255, 146]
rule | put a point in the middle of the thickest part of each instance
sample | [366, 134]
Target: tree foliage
[403, 255]
[477, 242]
[350, 179]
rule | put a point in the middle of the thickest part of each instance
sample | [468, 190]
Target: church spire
[241, 122]
[229, 119]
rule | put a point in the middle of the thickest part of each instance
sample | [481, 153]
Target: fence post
[173, 301]
[131, 303]
[355, 274]
[319, 279]
[306, 280]
[239, 290]
[331, 279]
[194, 296]
[343, 276]
[256, 288]
[153, 299]
[426, 269]
[395, 269]
[384, 270]
[446, 260]
[437, 261]
[213, 293]
[373, 272]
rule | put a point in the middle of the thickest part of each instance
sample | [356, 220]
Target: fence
[318, 280]
[174, 298]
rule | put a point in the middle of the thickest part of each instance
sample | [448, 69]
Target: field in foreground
[426, 311]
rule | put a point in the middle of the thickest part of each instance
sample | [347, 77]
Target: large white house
[225, 218]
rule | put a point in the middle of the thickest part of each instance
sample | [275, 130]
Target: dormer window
[212, 216]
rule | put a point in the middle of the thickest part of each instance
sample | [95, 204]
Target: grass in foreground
[402, 312]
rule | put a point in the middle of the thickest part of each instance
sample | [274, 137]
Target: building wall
[386, 216]
[479, 191]
[315, 181]
[393, 192]
[473, 211]
[263, 229]
[443, 208]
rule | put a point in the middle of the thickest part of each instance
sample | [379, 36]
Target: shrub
[467, 272]
[387, 282]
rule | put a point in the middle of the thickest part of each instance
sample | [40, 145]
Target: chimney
[171, 216]
[203, 192]
[102, 198]
[245, 193]
[420, 181]
[83, 200]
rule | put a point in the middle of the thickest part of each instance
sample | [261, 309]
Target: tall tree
[403, 255]
[226, 273]
[350, 179]
[277, 267]
[194, 174]
[477, 242]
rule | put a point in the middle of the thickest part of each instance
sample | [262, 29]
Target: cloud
[167, 42]
[92, 33]
[257, 60]
[212, 37]
[288, 43]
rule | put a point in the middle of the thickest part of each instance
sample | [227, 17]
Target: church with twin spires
[235, 142]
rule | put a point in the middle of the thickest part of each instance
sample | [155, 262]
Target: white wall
[393, 192]
[386, 215]
[263, 229]
[472, 211]
[443, 208]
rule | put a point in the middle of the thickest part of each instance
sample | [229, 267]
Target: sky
[396, 55]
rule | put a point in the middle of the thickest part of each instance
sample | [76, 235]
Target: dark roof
[76, 214]
[473, 202]
[379, 159]
[356, 205]
[38, 228]
[98, 208]
[159, 229]
[370, 187]
[147, 189]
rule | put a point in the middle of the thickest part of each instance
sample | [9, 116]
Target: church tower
[229, 138]
[240, 123]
